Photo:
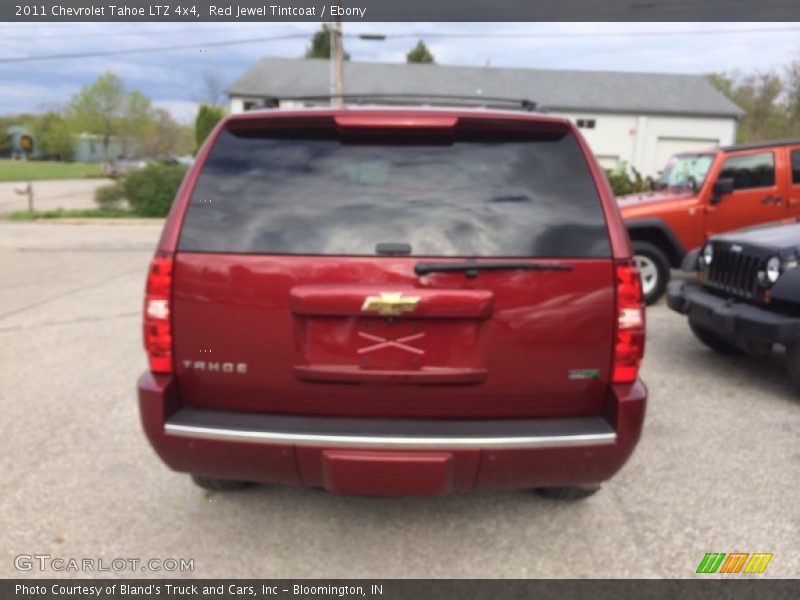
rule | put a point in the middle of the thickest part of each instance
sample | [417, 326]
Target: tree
[107, 109]
[163, 134]
[137, 119]
[320, 46]
[723, 82]
[5, 136]
[793, 93]
[167, 137]
[420, 54]
[207, 118]
[184, 143]
[98, 108]
[27, 120]
[761, 95]
[212, 86]
[5, 142]
[53, 136]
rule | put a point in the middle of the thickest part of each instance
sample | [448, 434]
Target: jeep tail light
[157, 328]
[629, 339]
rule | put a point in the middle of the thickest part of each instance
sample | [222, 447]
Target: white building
[637, 119]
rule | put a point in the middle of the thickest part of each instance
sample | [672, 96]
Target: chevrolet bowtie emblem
[390, 304]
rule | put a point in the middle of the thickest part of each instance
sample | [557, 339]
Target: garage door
[608, 161]
[667, 147]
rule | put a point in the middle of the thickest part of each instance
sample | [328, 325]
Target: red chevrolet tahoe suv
[405, 301]
[703, 193]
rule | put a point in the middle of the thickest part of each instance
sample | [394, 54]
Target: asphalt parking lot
[717, 468]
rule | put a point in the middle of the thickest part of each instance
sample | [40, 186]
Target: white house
[638, 119]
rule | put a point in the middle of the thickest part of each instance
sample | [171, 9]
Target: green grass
[39, 170]
[62, 213]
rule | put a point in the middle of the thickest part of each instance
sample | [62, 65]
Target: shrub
[109, 197]
[150, 191]
[624, 182]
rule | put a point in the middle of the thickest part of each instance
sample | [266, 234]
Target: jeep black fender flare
[691, 262]
[657, 232]
[787, 288]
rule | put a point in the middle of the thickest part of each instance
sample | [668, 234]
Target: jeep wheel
[793, 364]
[654, 268]
[219, 485]
[712, 340]
[569, 493]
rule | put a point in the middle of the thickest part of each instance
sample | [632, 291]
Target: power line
[18, 59]
[151, 32]
[368, 36]
[589, 34]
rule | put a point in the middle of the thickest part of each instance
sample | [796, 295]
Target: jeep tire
[219, 485]
[717, 343]
[793, 364]
[653, 266]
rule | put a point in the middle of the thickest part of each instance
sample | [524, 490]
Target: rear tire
[793, 364]
[219, 485]
[568, 493]
[653, 265]
[718, 344]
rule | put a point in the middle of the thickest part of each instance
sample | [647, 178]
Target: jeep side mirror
[721, 187]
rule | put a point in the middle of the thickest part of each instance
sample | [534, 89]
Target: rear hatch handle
[471, 269]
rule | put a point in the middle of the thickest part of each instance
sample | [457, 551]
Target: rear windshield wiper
[472, 268]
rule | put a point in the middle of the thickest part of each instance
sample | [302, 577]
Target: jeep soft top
[394, 301]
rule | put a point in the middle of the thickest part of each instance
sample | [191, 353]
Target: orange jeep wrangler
[699, 194]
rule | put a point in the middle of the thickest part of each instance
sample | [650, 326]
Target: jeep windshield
[685, 171]
[474, 194]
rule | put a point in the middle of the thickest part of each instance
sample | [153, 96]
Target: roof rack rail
[422, 99]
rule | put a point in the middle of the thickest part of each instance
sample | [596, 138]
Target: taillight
[157, 329]
[629, 342]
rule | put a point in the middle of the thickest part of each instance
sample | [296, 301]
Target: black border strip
[731, 587]
[406, 10]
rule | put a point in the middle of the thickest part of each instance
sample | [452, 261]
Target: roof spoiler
[405, 99]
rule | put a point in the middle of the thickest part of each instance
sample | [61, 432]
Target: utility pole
[337, 64]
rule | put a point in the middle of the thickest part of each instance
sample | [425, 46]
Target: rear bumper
[391, 456]
[736, 321]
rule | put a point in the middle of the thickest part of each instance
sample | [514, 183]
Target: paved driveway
[717, 468]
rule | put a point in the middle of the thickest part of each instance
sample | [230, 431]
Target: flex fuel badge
[584, 373]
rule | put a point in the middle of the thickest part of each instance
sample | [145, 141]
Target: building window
[248, 104]
[796, 166]
[586, 123]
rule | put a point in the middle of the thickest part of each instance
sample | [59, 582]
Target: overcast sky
[174, 79]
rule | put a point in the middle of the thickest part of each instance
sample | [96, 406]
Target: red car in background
[404, 301]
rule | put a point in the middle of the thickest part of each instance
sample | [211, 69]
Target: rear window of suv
[531, 197]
